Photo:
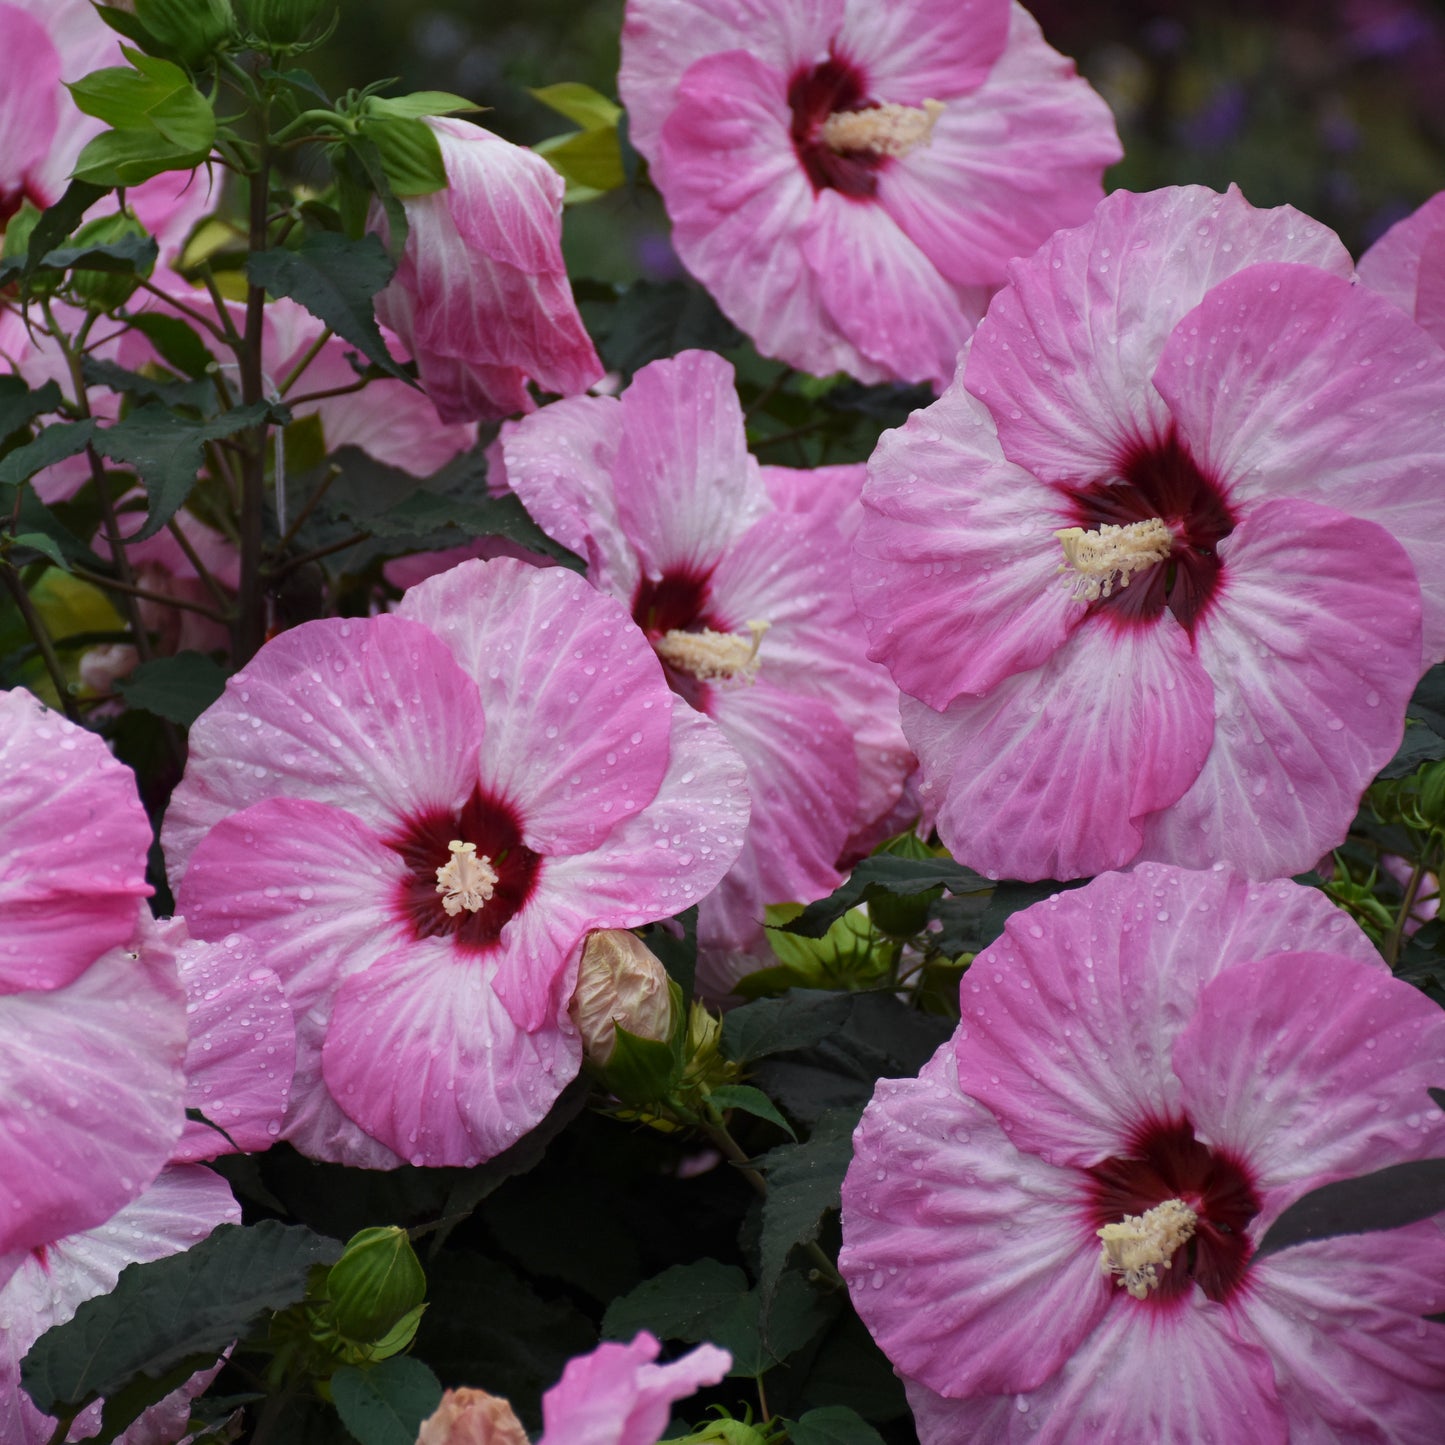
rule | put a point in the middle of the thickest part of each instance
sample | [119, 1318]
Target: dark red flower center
[1165, 1162]
[424, 843]
[680, 601]
[814, 93]
[1161, 479]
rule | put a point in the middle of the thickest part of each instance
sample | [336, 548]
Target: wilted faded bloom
[1152, 573]
[1052, 1231]
[621, 983]
[480, 297]
[616, 1395]
[849, 181]
[418, 818]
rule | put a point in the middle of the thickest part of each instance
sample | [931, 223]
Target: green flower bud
[288, 22]
[189, 30]
[903, 915]
[105, 290]
[377, 1282]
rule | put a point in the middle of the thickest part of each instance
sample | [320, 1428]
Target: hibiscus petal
[577, 709]
[1312, 643]
[1050, 774]
[422, 1054]
[1392, 267]
[1312, 1067]
[28, 109]
[1008, 163]
[91, 1084]
[1298, 384]
[974, 1266]
[1052, 1039]
[371, 714]
[924, 49]
[955, 568]
[73, 843]
[741, 206]
[1064, 358]
[884, 295]
[1353, 1359]
[685, 485]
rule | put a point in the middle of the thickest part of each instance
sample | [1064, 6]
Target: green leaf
[832, 1425]
[164, 450]
[804, 1181]
[580, 104]
[1420, 744]
[590, 158]
[59, 440]
[129, 157]
[640, 1071]
[888, 873]
[801, 1018]
[1397, 1195]
[750, 1101]
[58, 221]
[334, 277]
[39, 542]
[709, 1301]
[1428, 703]
[653, 319]
[386, 1403]
[19, 406]
[678, 955]
[178, 688]
[130, 255]
[410, 154]
[420, 103]
[171, 1311]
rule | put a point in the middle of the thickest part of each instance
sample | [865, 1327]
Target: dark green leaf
[888, 873]
[386, 1403]
[164, 450]
[177, 344]
[1387, 1199]
[750, 1101]
[146, 388]
[803, 1184]
[178, 688]
[678, 954]
[334, 277]
[1420, 744]
[39, 542]
[19, 406]
[130, 255]
[1438, 1095]
[833, 1425]
[410, 153]
[172, 1310]
[653, 319]
[849, 1369]
[798, 1020]
[1428, 703]
[59, 440]
[58, 221]
[973, 921]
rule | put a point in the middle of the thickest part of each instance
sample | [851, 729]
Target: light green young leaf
[580, 104]
[410, 154]
[420, 103]
[587, 158]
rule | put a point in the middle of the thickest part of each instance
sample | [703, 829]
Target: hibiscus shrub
[841, 848]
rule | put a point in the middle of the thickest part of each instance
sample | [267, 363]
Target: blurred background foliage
[1335, 106]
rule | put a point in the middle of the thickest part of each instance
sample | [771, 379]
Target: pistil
[1140, 1245]
[467, 880]
[713, 656]
[881, 130]
[1110, 555]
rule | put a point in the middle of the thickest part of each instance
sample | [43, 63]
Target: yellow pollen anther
[714, 656]
[885, 130]
[1111, 554]
[466, 880]
[1140, 1245]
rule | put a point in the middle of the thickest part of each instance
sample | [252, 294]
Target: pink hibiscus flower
[1234, 456]
[617, 1395]
[1051, 1232]
[90, 1007]
[744, 600]
[1407, 266]
[417, 819]
[46, 1286]
[850, 180]
[481, 298]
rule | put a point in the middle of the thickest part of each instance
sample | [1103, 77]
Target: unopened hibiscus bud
[105, 290]
[377, 1282]
[902, 915]
[190, 29]
[620, 983]
[472, 1417]
[288, 22]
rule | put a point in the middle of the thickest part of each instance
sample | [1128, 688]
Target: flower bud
[190, 30]
[620, 982]
[288, 22]
[377, 1282]
[1432, 795]
[105, 290]
[472, 1417]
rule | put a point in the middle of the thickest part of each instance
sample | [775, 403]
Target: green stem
[1396, 935]
[35, 623]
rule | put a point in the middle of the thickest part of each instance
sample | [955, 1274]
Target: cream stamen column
[467, 880]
